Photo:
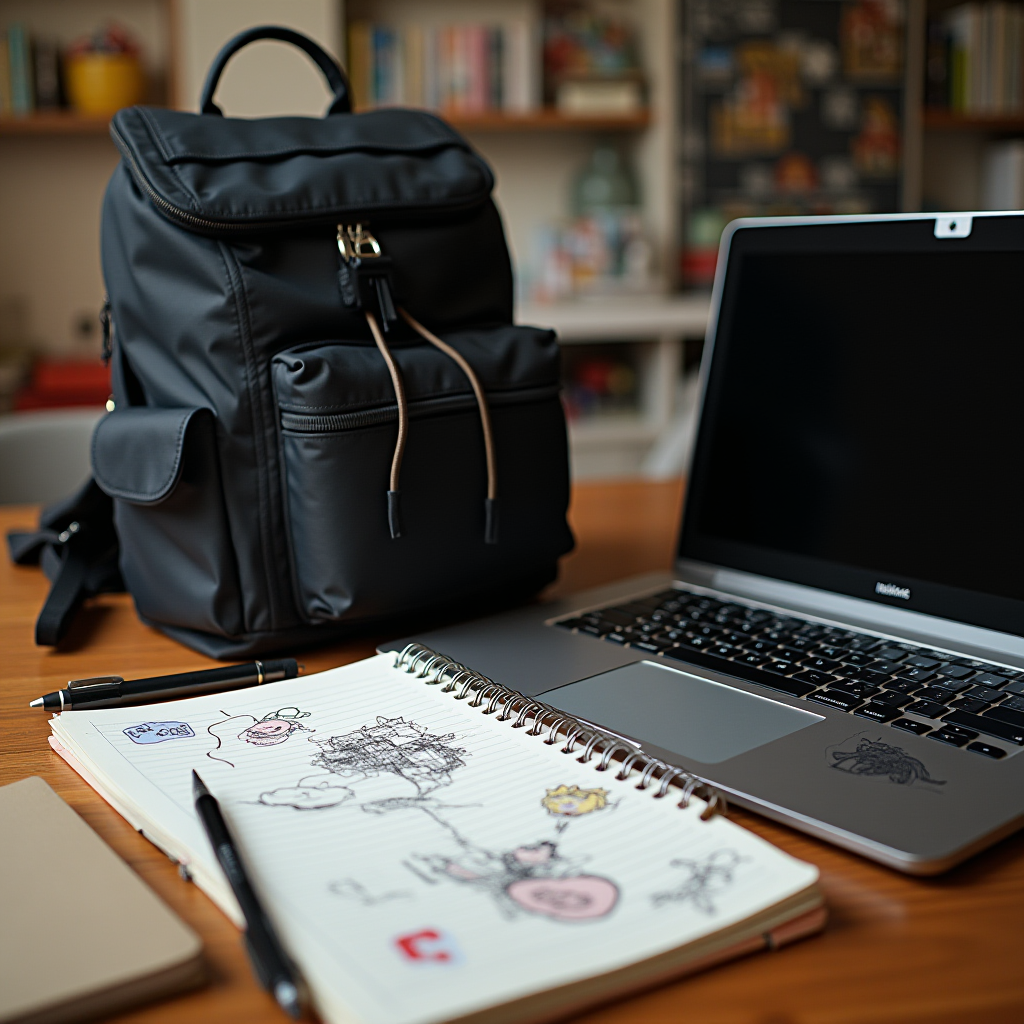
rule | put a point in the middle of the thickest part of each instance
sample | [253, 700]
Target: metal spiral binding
[440, 670]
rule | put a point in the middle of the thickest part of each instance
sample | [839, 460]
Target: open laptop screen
[863, 426]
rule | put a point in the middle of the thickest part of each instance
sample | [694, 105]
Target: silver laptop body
[851, 551]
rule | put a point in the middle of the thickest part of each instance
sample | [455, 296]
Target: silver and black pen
[269, 961]
[113, 691]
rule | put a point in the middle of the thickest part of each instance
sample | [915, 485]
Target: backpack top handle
[336, 78]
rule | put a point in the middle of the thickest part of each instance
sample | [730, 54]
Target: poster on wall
[789, 107]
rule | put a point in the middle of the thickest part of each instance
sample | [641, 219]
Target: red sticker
[428, 946]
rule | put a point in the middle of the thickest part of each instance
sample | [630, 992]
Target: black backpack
[324, 414]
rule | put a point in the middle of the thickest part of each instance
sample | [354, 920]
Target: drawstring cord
[394, 517]
[491, 501]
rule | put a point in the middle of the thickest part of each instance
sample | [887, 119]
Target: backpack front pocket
[161, 468]
[338, 427]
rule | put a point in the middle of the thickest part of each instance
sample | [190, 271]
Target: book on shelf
[975, 60]
[432, 846]
[456, 69]
[19, 65]
[30, 73]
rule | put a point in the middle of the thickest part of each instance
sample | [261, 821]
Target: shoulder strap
[76, 546]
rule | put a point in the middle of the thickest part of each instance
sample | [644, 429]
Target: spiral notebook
[435, 847]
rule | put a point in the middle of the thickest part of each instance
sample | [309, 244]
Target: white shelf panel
[621, 319]
[602, 430]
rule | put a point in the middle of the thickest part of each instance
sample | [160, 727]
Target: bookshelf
[53, 122]
[948, 121]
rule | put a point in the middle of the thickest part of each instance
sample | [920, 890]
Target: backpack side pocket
[161, 468]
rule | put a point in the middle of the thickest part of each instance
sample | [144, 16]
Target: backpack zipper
[192, 220]
[332, 423]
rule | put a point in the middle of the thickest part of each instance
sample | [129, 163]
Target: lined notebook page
[420, 858]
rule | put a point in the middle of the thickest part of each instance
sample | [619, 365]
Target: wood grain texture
[897, 950]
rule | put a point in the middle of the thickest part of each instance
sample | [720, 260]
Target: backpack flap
[220, 175]
[160, 466]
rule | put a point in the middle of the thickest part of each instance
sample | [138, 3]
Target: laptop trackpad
[691, 716]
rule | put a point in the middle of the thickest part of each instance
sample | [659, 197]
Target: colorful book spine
[6, 105]
[19, 57]
[465, 69]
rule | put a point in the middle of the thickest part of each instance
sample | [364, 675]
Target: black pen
[113, 691]
[269, 961]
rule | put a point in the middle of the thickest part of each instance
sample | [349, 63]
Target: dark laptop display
[863, 426]
[859, 456]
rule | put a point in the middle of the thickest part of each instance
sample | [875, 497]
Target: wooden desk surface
[897, 950]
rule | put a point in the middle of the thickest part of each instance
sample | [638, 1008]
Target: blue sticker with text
[157, 732]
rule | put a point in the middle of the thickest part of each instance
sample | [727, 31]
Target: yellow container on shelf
[99, 84]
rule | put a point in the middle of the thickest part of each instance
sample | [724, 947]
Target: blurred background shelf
[549, 120]
[945, 120]
[54, 122]
[630, 353]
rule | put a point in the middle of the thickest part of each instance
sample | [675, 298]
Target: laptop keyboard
[962, 702]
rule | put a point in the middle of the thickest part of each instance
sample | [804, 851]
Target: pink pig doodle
[535, 879]
[274, 728]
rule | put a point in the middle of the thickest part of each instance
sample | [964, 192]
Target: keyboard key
[957, 671]
[953, 735]
[1015, 686]
[825, 651]
[987, 750]
[875, 678]
[589, 627]
[918, 661]
[902, 685]
[1014, 702]
[919, 675]
[779, 668]
[751, 659]
[865, 644]
[618, 638]
[878, 712]
[988, 679]
[939, 694]
[927, 708]
[856, 658]
[790, 654]
[812, 675]
[569, 623]
[836, 699]
[893, 698]
[698, 629]
[802, 643]
[953, 685]
[891, 654]
[698, 643]
[760, 646]
[722, 651]
[822, 664]
[863, 690]
[653, 646]
[985, 693]
[970, 705]
[733, 639]
[889, 668]
[990, 726]
[1004, 714]
[909, 725]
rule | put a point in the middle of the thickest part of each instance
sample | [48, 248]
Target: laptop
[840, 644]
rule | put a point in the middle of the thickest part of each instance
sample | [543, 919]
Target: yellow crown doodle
[572, 801]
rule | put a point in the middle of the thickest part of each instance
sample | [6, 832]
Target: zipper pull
[106, 325]
[364, 274]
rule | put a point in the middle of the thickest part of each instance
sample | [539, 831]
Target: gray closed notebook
[82, 935]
